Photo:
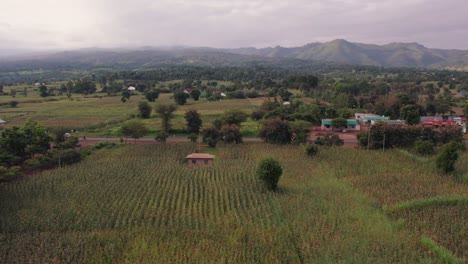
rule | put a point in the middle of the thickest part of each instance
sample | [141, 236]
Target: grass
[142, 204]
[100, 115]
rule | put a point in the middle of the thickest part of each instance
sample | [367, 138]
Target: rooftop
[200, 156]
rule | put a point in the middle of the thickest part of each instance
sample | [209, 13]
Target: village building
[197, 159]
[351, 125]
[369, 119]
[2, 121]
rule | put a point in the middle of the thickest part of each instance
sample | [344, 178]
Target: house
[2, 121]
[131, 88]
[366, 119]
[397, 122]
[188, 90]
[351, 125]
[197, 159]
[461, 94]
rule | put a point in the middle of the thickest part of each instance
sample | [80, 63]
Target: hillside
[390, 55]
[316, 54]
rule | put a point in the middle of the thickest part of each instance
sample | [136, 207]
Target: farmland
[142, 204]
[102, 115]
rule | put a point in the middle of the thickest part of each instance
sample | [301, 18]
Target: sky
[72, 24]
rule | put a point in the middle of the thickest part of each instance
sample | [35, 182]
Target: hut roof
[200, 156]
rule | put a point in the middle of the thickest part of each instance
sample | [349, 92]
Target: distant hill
[334, 52]
[390, 55]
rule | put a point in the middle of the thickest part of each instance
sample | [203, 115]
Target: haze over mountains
[336, 51]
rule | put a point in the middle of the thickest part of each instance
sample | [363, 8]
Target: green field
[142, 204]
[100, 115]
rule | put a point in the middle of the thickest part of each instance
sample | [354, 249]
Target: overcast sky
[69, 24]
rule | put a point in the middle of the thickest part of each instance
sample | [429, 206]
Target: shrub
[105, 145]
[231, 134]
[424, 147]
[257, 115]
[269, 171]
[276, 131]
[145, 109]
[211, 136]
[13, 104]
[447, 157]
[329, 140]
[311, 150]
[9, 173]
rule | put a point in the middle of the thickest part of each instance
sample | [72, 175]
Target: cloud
[222, 23]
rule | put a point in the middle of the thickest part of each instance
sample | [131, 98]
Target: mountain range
[337, 51]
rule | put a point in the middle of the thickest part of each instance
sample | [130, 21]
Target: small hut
[2, 122]
[197, 159]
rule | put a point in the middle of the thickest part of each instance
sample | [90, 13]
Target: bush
[144, 109]
[269, 171]
[66, 157]
[311, 150]
[105, 145]
[257, 115]
[447, 157]
[13, 104]
[9, 173]
[329, 140]
[231, 134]
[276, 131]
[211, 136]
[424, 147]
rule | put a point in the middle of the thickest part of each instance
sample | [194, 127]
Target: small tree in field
[145, 109]
[269, 171]
[311, 150]
[134, 129]
[447, 157]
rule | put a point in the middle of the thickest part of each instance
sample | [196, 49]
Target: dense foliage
[269, 172]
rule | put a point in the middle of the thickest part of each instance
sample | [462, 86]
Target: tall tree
[152, 95]
[166, 113]
[180, 98]
[193, 121]
[410, 114]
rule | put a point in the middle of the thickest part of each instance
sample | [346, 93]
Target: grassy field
[142, 204]
[99, 115]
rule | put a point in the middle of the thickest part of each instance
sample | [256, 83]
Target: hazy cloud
[221, 23]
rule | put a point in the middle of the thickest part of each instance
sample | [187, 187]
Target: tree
[447, 157]
[166, 113]
[211, 136]
[276, 131]
[134, 129]
[410, 113]
[339, 122]
[13, 104]
[269, 172]
[300, 130]
[193, 121]
[43, 91]
[145, 109]
[329, 140]
[424, 147]
[195, 94]
[180, 98]
[233, 117]
[231, 134]
[125, 96]
[152, 95]
[311, 150]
